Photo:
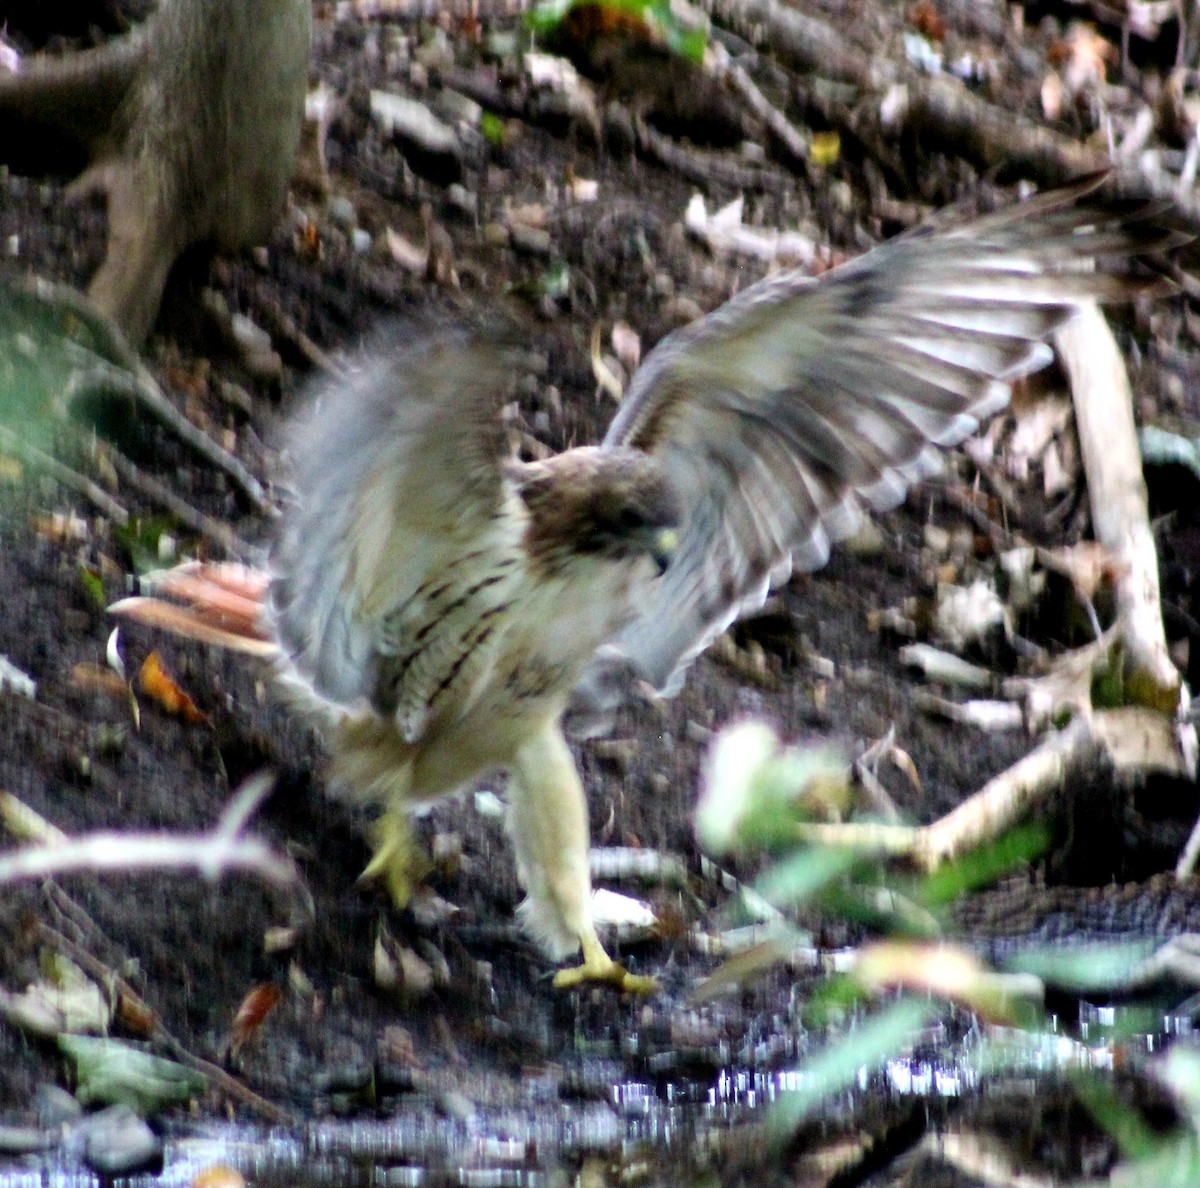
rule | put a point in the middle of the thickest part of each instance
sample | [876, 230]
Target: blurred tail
[216, 603]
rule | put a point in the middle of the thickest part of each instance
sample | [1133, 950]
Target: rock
[116, 1142]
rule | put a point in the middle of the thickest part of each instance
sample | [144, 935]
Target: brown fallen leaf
[136, 1016]
[252, 1013]
[97, 676]
[162, 688]
[925, 18]
[219, 1176]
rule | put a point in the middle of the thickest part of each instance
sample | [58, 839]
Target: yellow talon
[398, 861]
[599, 969]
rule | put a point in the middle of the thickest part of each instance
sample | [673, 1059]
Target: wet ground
[488, 1075]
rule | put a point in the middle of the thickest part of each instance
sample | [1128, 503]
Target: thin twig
[119, 370]
[1134, 740]
[788, 135]
[212, 854]
[214, 1073]
[145, 393]
[112, 851]
[27, 824]
[246, 802]
[100, 499]
[199, 522]
[703, 168]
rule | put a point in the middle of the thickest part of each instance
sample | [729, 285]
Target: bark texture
[190, 126]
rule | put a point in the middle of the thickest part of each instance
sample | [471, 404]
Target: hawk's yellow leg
[398, 861]
[548, 824]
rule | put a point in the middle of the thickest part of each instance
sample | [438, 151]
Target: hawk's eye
[631, 519]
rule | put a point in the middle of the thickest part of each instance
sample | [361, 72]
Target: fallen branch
[935, 108]
[1112, 460]
[1135, 740]
[109, 366]
[217, 1076]
[213, 530]
[704, 168]
[140, 389]
[789, 136]
[100, 499]
[212, 854]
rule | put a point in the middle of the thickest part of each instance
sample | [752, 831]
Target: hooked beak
[663, 548]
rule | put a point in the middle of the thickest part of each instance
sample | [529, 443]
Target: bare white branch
[219, 852]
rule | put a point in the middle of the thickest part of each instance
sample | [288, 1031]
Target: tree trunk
[191, 124]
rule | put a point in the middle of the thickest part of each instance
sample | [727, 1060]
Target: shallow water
[664, 1125]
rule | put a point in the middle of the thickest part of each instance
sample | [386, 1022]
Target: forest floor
[532, 1080]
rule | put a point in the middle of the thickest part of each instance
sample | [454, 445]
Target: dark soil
[496, 1037]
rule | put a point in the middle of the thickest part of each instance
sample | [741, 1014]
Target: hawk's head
[606, 503]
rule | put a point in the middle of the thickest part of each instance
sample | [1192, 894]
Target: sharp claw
[397, 861]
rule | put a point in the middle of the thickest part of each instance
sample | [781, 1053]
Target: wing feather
[780, 413]
[399, 512]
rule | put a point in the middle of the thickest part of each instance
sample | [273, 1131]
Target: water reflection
[597, 1111]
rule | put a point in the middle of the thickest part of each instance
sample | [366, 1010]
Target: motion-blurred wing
[398, 476]
[782, 412]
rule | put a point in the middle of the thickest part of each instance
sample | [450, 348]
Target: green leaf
[805, 874]
[1127, 1127]
[493, 129]
[140, 538]
[547, 16]
[93, 586]
[46, 341]
[685, 41]
[841, 1063]
[983, 866]
[114, 1073]
[1084, 969]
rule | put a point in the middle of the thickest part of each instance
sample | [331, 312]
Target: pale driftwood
[1112, 460]
[219, 852]
[1136, 741]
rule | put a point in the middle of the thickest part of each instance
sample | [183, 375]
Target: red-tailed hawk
[444, 600]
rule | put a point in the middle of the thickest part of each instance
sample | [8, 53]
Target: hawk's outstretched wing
[398, 524]
[780, 413]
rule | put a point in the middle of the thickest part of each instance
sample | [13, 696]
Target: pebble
[119, 1143]
[462, 199]
[18, 1139]
[410, 121]
[533, 241]
[55, 1106]
[460, 107]
[341, 210]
